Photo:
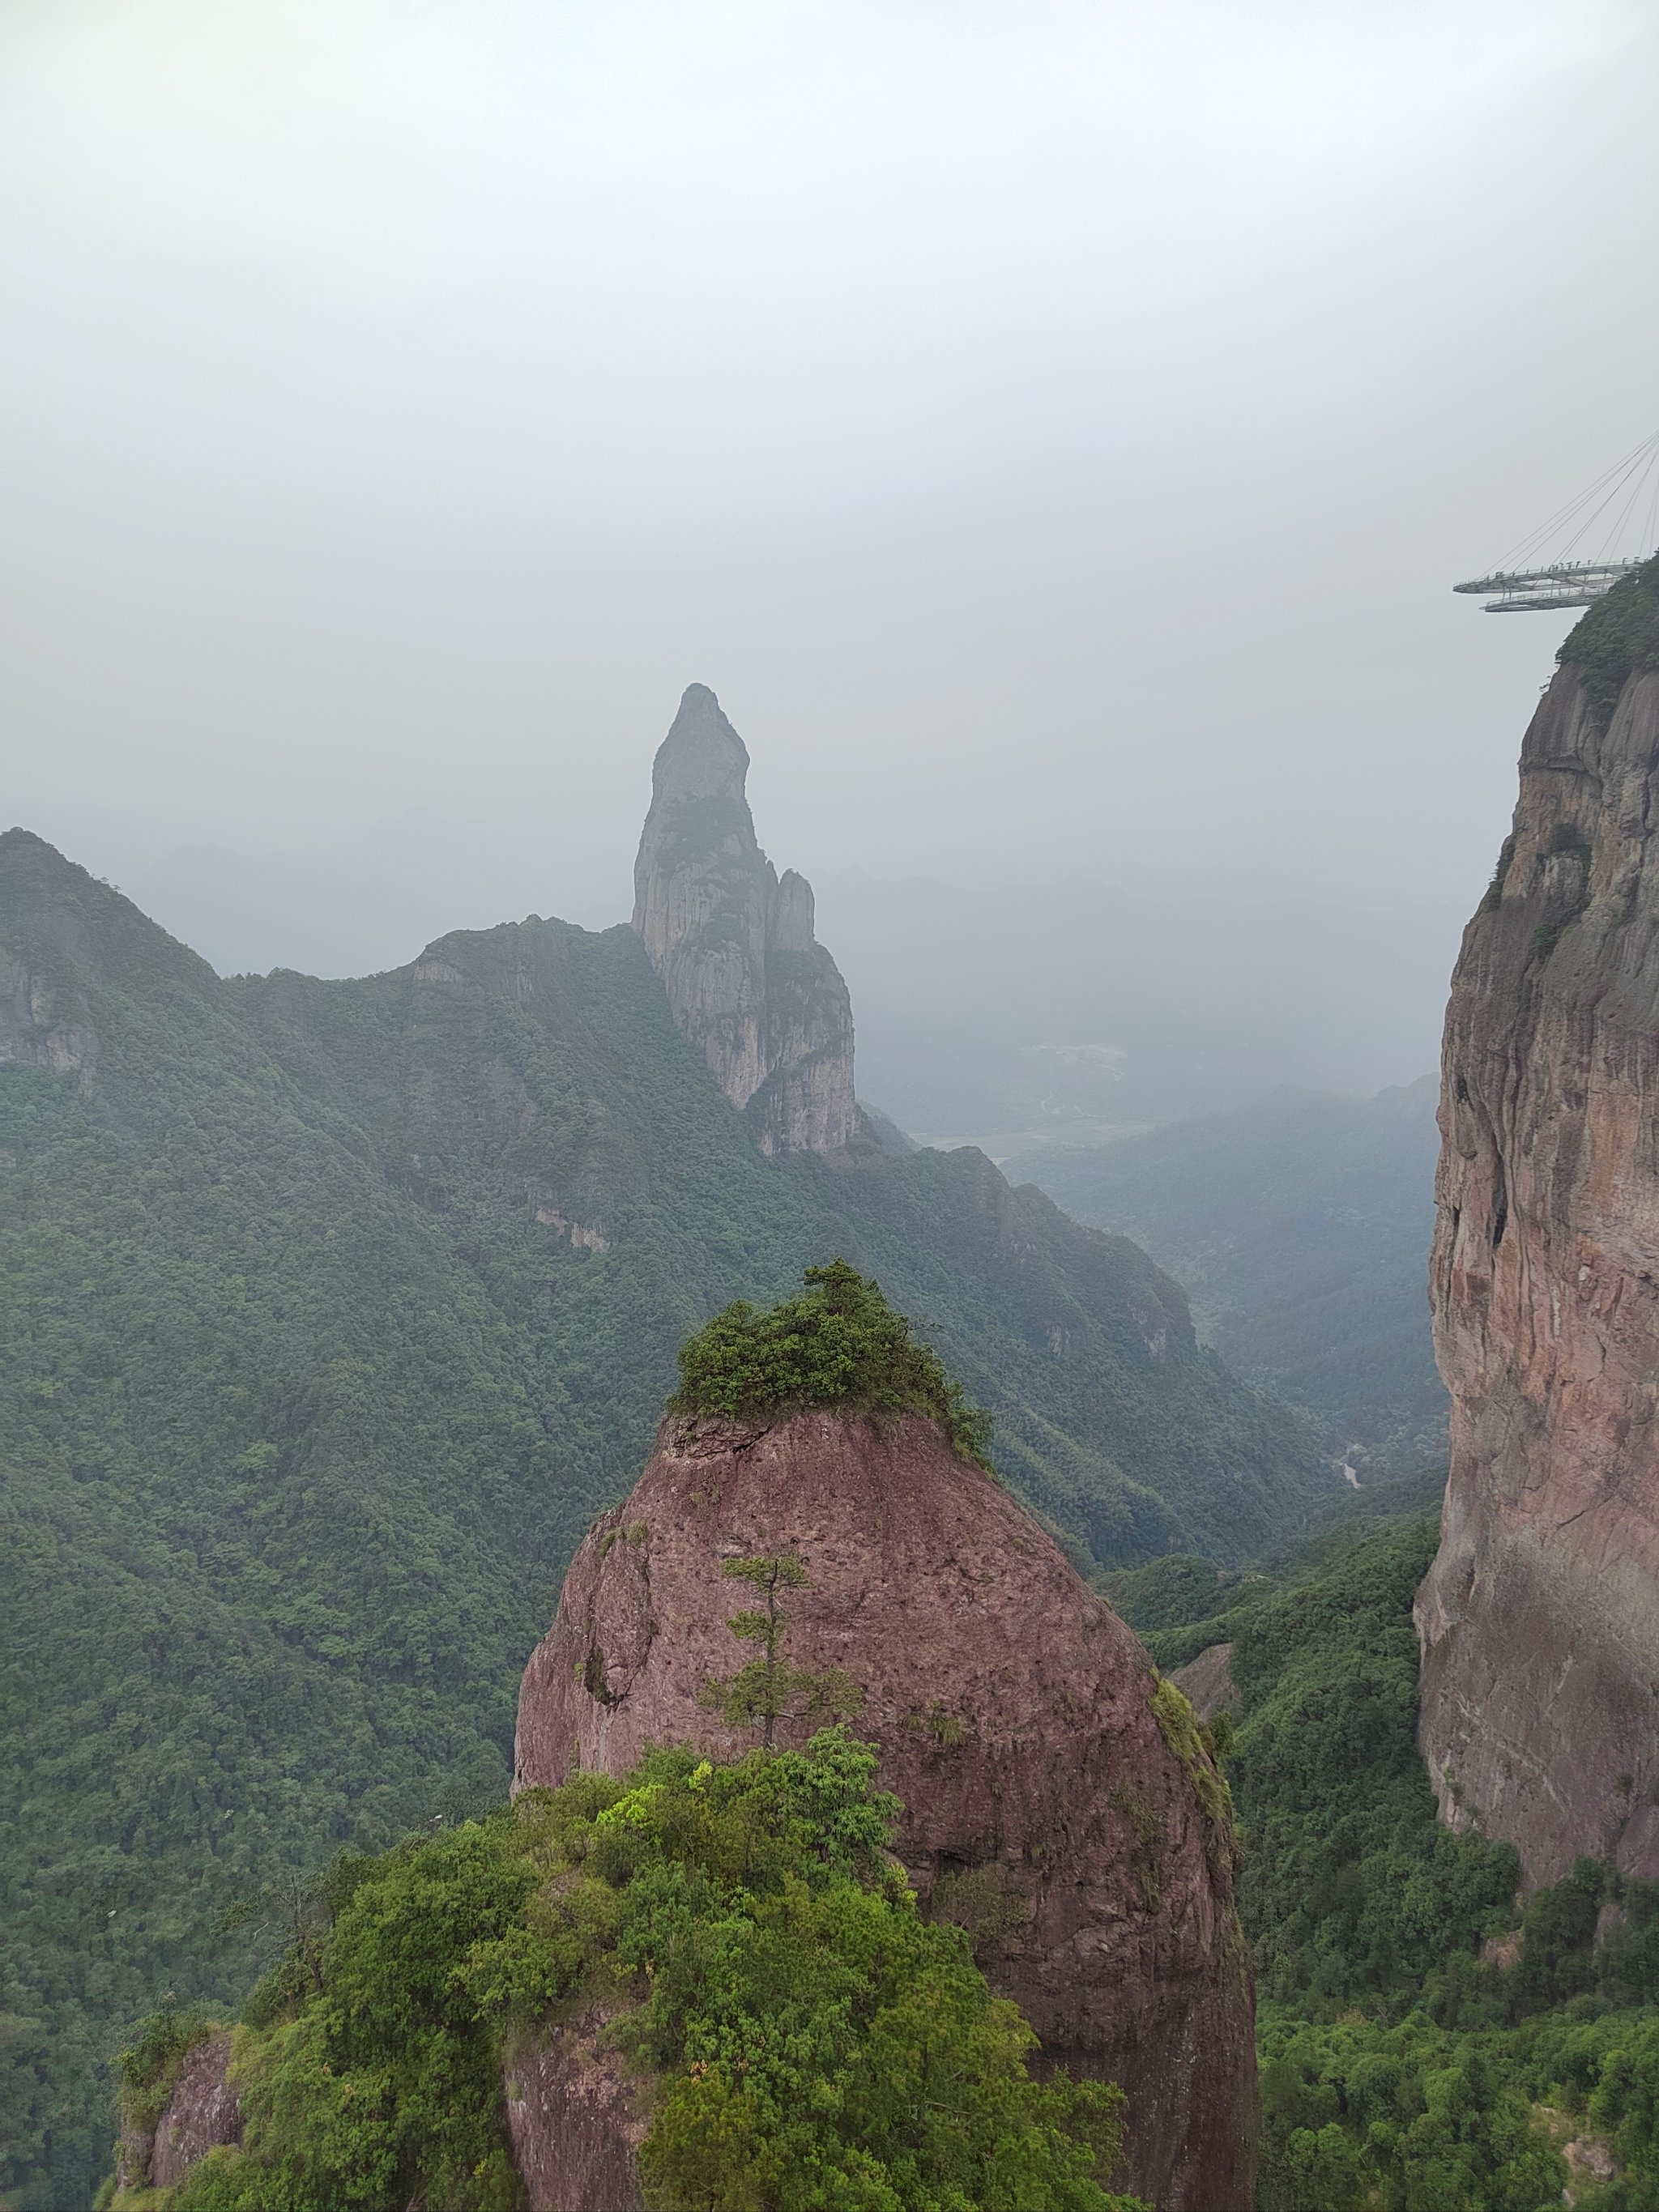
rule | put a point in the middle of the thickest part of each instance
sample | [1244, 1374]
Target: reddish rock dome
[1050, 1805]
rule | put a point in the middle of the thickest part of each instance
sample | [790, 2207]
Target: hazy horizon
[1052, 435]
[998, 1011]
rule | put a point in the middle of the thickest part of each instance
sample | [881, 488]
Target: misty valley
[916, 1471]
[591, 1623]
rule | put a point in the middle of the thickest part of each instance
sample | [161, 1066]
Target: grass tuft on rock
[839, 1343]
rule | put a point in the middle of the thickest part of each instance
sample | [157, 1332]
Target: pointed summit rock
[747, 980]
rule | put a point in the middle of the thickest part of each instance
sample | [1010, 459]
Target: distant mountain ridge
[333, 1312]
[1012, 1014]
[1299, 1227]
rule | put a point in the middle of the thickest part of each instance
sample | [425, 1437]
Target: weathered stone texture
[733, 943]
[576, 2120]
[1207, 1682]
[30, 1031]
[202, 2114]
[1014, 1713]
[1539, 1618]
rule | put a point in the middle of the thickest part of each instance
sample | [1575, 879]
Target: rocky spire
[733, 943]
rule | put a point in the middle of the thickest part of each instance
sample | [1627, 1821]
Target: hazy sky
[1051, 429]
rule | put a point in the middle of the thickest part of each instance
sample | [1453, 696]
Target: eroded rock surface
[733, 943]
[1046, 1809]
[1207, 1682]
[201, 2114]
[575, 2120]
[37, 1028]
[1539, 1618]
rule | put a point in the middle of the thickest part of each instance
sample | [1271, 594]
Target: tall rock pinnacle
[1539, 1618]
[732, 942]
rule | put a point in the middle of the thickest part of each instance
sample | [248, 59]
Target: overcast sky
[1051, 429]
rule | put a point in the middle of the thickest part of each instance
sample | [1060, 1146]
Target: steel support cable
[1518, 553]
[1589, 521]
[1594, 515]
[1616, 533]
[1609, 480]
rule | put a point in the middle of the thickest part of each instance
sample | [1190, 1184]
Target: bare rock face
[201, 2114]
[733, 943]
[35, 1029]
[1207, 1682]
[1539, 1618]
[28, 1031]
[575, 2121]
[1049, 1806]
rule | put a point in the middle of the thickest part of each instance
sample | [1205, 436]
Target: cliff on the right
[1540, 1617]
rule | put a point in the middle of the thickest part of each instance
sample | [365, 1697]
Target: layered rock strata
[733, 943]
[1058, 1801]
[1539, 1618]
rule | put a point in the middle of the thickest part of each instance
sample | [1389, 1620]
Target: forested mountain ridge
[333, 1312]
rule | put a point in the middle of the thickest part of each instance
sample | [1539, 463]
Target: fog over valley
[829, 1228]
[1052, 435]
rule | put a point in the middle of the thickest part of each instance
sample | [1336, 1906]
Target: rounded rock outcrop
[1058, 1800]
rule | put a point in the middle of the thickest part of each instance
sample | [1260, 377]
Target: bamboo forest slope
[334, 1311]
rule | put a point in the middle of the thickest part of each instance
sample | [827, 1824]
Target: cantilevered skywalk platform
[1566, 584]
[1617, 517]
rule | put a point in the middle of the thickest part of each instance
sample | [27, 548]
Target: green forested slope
[1300, 1227]
[797, 2033]
[1407, 2066]
[303, 1406]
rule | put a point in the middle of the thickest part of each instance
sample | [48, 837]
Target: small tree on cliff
[766, 1689]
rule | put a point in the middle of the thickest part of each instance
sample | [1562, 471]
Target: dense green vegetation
[1299, 1227]
[1616, 638]
[310, 1387]
[839, 1344]
[809, 2039]
[1407, 2065]
[1351, 1887]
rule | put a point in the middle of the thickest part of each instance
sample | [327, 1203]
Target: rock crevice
[203, 2113]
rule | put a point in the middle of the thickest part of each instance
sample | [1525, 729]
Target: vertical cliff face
[733, 943]
[1058, 1801]
[1539, 1618]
